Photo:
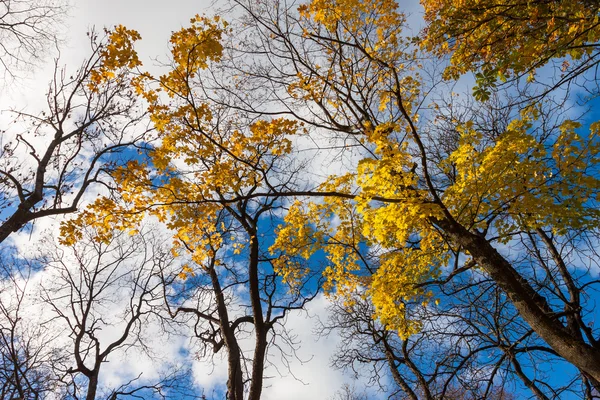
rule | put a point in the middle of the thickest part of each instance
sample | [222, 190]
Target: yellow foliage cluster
[525, 181]
[194, 162]
[509, 37]
[192, 49]
[358, 19]
[373, 30]
[117, 54]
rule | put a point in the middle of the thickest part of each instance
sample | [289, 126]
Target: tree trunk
[532, 307]
[260, 328]
[92, 386]
[235, 381]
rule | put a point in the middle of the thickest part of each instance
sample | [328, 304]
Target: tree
[200, 182]
[91, 120]
[222, 317]
[26, 361]
[500, 40]
[432, 206]
[471, 345]
[103, 296]
[348, 392]
[343, 66]
[27, 29]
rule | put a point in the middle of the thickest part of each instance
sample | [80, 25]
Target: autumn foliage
[408, 212]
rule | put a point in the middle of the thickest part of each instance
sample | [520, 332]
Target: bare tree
[28, 28]
[26, 360]
[102, 295]
[348, 392]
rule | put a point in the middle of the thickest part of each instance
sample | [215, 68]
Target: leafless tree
[102, 295]
[26, 361]
[28, 28]
[475, 348]
[348, 392]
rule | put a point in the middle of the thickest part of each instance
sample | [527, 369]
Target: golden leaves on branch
[118, 54]
[526, 181]
[509, 37]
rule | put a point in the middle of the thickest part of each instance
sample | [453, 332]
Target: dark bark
[235, 382]
[390, 357]
[260, 347]
[81, 289]
[92, 386]
[54, 178]
[532, 307]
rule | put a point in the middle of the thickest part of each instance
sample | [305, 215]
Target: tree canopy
[446, 222]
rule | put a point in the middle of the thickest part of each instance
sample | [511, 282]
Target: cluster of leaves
[505, 39]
